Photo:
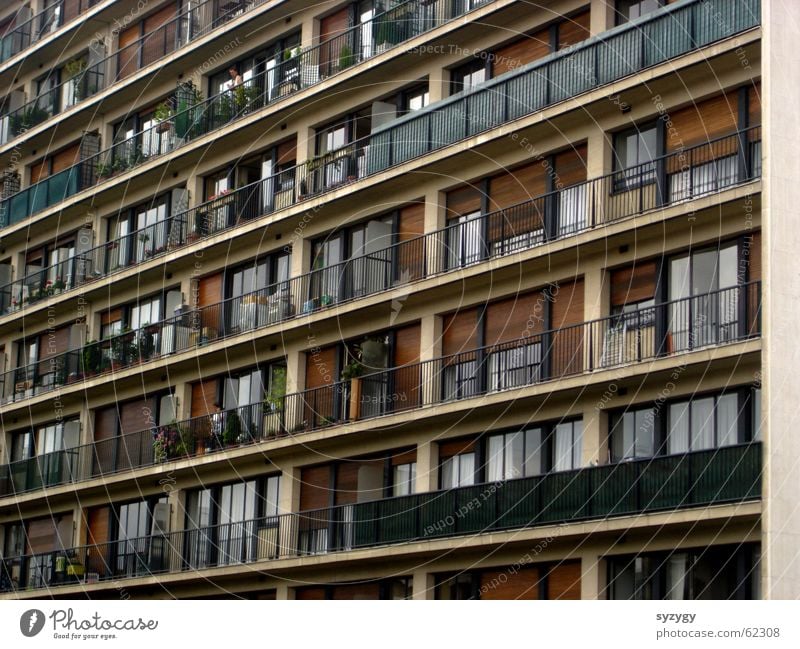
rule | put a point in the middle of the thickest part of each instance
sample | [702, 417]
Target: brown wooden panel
[53, 343]
[160, 17]
[403, 457]
[66, 158]
[460, 331]
[99, 524]
[315, 487]
[112, 315]
[411, 248]
[564, 581]
[634, 283]
[71, 9]
[49, 533]
[516, 317]
[287, 151]
[703, 121]
[310, 593]
[411, 221]
[504, 584]
[456, 447]
[357, 591]
[406, 347]
[754, 257]
[464, 200]
[128, 56]
[573, 30]
[571, 166]
[567, 344]
[321, 367]
[329, 28]
[204, 397]
[105, 423]
[210, 293]
[408, 378]
[518, 185]
[40, 171]
[347, 482]
[754, 104]
[520, 52]
[136, 416]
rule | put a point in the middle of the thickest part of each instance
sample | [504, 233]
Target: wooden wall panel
[505, 585]
[40, 171]
[520, 52]
[408, 379]
[105, 423]
[403, 457]
[112, 315]
[411, 256]
[136, 416]
[357, 591]
[347, 482]
[160, 17]
[754, 257]
[460, 331]
[49, 533]
[456, 447]
[287, 151]
[571, 166]
[99, 524]
[315, 487]
[573, 30]
[634, 283]
[567, 345]
[204, 397]
[310, 593]
[321, 367]
[66, 158]
[703, 121]
[463, 200]
[334, 24]
[517, 186]
[53, 343]
[210, 291]
[564, 581]
[754, 104]
[515, 317]
[128, 53]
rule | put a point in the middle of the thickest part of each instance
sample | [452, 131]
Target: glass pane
[679, 278]
[678, 435]
[727, 420]
[757, 414]
[645, 433]
[704, 272]
[577, 444]
[494, 470]
[562, 453]
[728, 266]
[533, 452]
[702, 424]
[466, 469]
[514, 455]
[448, 477]
[677, 577]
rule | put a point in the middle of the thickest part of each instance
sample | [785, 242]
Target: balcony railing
[685, 175]
[39, 26]
[664, 483]
[718, 318]
[625, 50]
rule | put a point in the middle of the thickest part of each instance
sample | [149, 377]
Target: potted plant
[92, 358]
[146, 343]
[274, 401]
[352, 373]
[309, 169]
[346, 57]
[163, 115]
[233, 428]
[103, 170]
[74, 71]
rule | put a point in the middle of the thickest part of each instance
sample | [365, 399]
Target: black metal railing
[683, 175]
[35, 28]
[625, 50]
[729, 474]
[717, 318]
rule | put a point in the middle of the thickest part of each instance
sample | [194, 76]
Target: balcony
[39, 26]
[729, 474]
[683, 176]
[671, 32]
[723, 317]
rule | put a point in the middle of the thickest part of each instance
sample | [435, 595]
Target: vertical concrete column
[308, 29]
[780, 354]
[427, 463]
[183, 394]
[596, 304]
[295, 369]
[301, 255]
[80, 526]
[601, 17]
[595, 435]
[423, 584]
[434, 220]
[592, 576]
[438, 84]
[288, 503]
[430, 348]
[598, 163]
[282, 591]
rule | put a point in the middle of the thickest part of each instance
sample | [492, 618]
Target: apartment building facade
[432, 299]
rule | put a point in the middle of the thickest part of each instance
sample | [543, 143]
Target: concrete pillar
[80, 528]
[438, 85]
[592, 576]
[595, 435]
[601, 17]
[282, 591]
[780, 355]
[427, 467]
[598, 163]
[422, 586]
[434, 220]
[288, 503]
[295, 370]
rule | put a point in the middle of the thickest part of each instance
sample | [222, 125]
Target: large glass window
[627, 10]
[516, 455]
[568, 446]
[468, 76]
[634, 152]
[703, 423]
[457, 471]
[404, 479]
[633, 434]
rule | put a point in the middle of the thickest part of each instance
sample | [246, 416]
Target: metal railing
[729, 474]
[721, 317]
[670, 32]
[40, 25]
[680, 176]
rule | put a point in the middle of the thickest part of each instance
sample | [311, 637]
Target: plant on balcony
[147, 344]
[92, 358]
[233, 428]
[346, 57]
[309, 168]
[274, 400]
[74, 68]
[103, 170]
[172, 441]
[163, 115]
[353, 370]
[28, 118]
[244, 97]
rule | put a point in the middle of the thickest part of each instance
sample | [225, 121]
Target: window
[509, 368]
[633, 434]
[457, 471]
[634, 153]
[516, 455]
[703, 423]
[140, 534]
[404, 479]
[259, 292]
[627, 10]
[568, 446]
[414, 99]
[468, 76]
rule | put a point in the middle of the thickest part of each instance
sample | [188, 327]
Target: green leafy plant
[346, 57]
[352, 370]
[274, 398]
[92, 357]
[233, 428]
[103, 170]
[74, 68]
[163, 112]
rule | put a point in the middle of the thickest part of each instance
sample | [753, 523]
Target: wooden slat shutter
[66, 158]
[461, 201]
[567, 344]
[411, 256]
[571, 166]
[573, 30]
[128, 53]
[460, 331]
[315, 487]
[99, 524]
[322, 373]
[634, 283]
[209, 294]
[407, 379]
[564, 581]
[503, 584]
[516, 317]
[204, 397]
[456, 447]
[520, 52]
[702, 122]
